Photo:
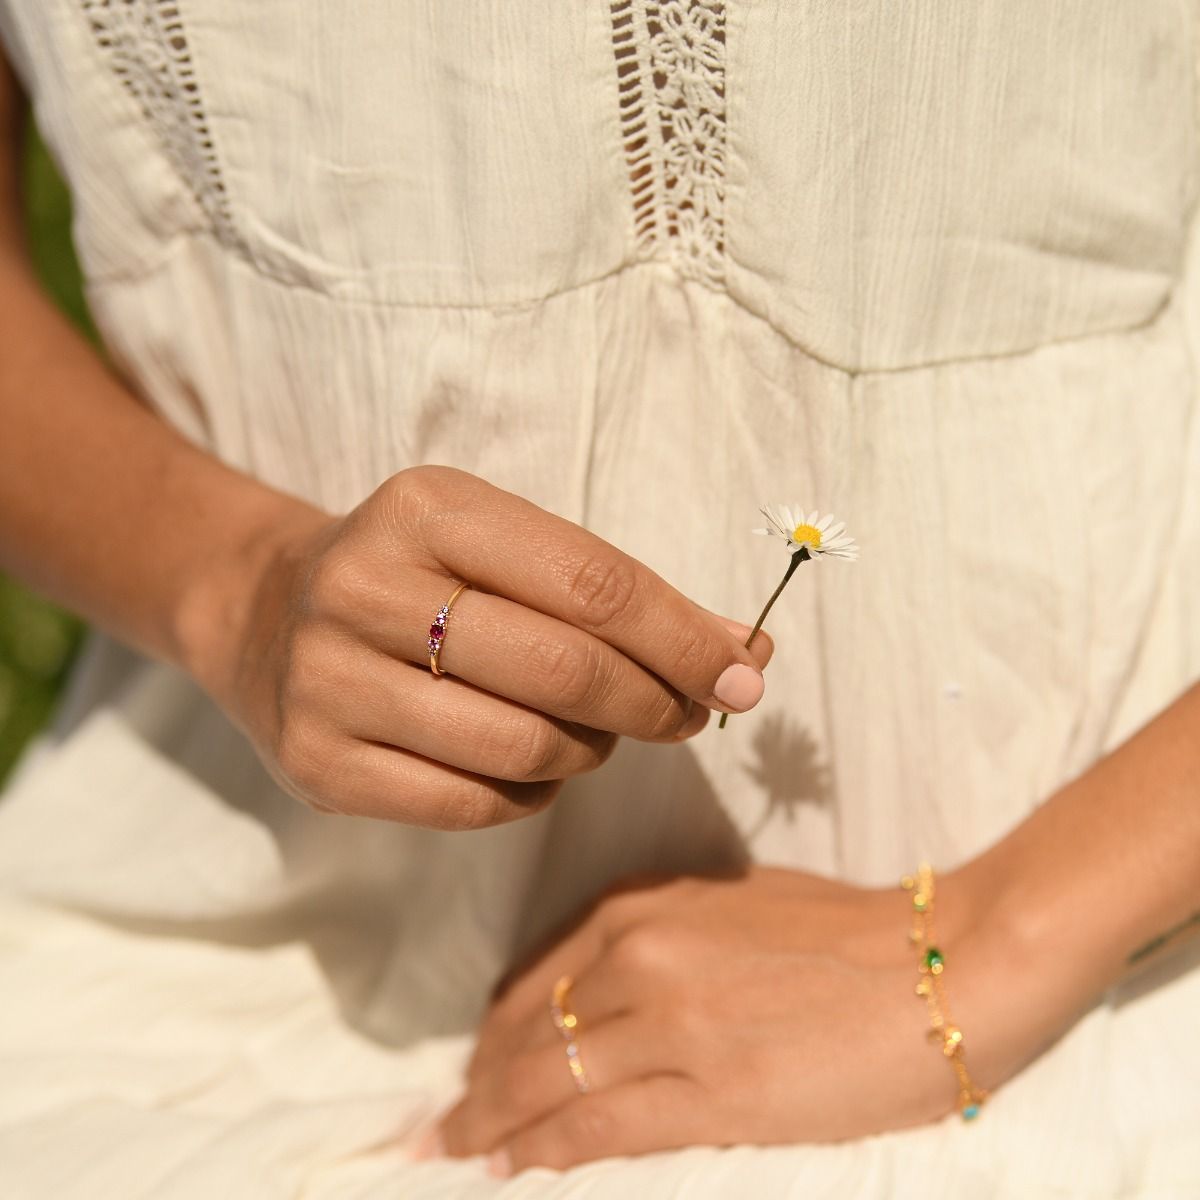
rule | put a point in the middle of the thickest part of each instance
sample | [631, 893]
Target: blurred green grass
[37, 640]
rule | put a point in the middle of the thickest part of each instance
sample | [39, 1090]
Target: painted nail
[739, 688]
[499, 1164]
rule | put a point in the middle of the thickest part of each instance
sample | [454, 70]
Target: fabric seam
[667, 270]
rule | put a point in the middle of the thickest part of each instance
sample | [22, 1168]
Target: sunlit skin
[685, 989]
[780, 1007]
[309, 628]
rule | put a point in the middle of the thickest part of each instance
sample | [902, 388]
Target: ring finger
[533, 659]
[454, 722]
[537, 1081]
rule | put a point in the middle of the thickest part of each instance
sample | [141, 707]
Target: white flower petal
[775, 519]
[784, 519]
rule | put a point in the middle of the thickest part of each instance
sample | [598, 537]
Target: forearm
[1111, 863]
[102, 506]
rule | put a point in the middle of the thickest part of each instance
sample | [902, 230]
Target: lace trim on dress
[147, 49]
[670, 58]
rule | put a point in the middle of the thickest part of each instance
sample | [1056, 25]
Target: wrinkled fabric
[932, 269]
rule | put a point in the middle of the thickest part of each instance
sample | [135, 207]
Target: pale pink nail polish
[740, 687]
[499, 1164]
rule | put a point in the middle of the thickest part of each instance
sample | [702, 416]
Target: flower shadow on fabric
[788, 768]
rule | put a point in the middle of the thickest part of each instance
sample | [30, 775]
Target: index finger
[508, 546]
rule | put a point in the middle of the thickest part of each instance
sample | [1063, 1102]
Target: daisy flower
[806, 537]
[814, 533]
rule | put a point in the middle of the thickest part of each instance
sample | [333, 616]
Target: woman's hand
[561, 644]
[772, 1007]
[780, 1007]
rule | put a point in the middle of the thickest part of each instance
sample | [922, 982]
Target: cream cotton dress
[648, 263]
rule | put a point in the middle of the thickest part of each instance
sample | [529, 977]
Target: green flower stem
[801, 555]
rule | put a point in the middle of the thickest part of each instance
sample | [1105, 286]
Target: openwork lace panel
[147, 48]
[670, 58]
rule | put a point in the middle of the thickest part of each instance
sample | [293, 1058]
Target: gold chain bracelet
[930, 988]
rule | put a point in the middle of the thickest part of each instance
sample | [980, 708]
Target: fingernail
[499, 1164]
[739, 688]
[429, 1145]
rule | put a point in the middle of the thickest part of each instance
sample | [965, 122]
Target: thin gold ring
[437, 631]
[567, 1023]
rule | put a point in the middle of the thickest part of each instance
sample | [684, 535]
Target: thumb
[761, 648]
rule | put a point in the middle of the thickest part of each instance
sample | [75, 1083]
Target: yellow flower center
[807, 535]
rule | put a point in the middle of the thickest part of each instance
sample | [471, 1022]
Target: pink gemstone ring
[437, 631]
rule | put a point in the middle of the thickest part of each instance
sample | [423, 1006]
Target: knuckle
[467, 805]
[571, 671]
[299, 757]
[526, 750]
[473, 806]
[666, 717]
[694, 647]
[416, 482]
[590, 1123]
[414, 495]
[640, 950]
[340, 582]
[407, 497]
[602, 589]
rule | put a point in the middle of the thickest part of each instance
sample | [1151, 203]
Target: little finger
[369, 780]
[660, 1112]
[448, 720]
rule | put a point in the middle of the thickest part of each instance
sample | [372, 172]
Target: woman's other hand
[774, 1007]
[780, 1007]
[561, 644]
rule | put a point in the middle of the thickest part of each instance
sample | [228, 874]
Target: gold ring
[567, 1023]
[437, 631]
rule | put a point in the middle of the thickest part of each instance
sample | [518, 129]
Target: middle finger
[528, 657]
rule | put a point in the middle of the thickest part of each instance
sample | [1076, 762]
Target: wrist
[1062, 903]
[1110, 863]
[215, 618]
[1015, 977]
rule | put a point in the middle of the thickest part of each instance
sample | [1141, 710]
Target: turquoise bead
[970, 1112]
